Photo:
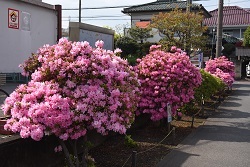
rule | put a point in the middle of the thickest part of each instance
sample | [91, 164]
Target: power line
[93, 16]
[123, 6]
[96, 19]
[107, 7]
[104, 7]
[107, 16]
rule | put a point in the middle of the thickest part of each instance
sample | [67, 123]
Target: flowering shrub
[209, 86]
[166, 78]
[222, 68]
[225, 77]
[73, 88]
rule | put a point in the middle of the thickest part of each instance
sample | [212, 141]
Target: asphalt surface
[223, 141]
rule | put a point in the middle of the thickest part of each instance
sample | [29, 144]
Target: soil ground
[153, 142]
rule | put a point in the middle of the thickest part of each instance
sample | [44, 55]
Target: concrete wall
[91, 33]
[17, 44]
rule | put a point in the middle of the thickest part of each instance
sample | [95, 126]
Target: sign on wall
[25, 21]
[13, 18]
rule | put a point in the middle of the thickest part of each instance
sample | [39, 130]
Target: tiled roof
[232, 15]
[230, 39]
[142, 24]
[160, 6]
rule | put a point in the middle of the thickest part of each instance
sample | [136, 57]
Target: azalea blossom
[166, 78]
[222, 68]
[74, 88]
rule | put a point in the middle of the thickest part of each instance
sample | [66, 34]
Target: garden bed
[152, 144]
[151, 140]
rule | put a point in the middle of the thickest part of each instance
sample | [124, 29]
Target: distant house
[235, 21]
[141, 14]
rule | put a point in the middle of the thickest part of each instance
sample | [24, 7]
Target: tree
[74, 88]
[180, 29]
[166, 78]
[140, 34]
[247, 37]
[128, 46]
[229, 49]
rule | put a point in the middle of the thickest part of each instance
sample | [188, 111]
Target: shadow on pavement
[182, 157]
[229, 113]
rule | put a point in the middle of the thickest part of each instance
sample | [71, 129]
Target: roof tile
[232, 15]
[159, 6]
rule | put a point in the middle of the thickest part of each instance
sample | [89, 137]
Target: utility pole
[219, 30]
[189, 5]
[80, 10]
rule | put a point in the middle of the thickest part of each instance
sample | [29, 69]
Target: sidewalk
[224, 140]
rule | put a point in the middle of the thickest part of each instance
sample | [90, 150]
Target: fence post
[202, 105]
[134, 159]
[169, 126]
[192, 125]
[173, 135]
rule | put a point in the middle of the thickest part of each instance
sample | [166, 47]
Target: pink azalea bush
[225, 77]
[222, 68]
[166, 78]
[74, 88]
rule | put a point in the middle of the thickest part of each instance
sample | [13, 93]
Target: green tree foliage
[128, 46]
[181, 29]
[140, 34]
[247, 37]
[145, 48]
[228, 49]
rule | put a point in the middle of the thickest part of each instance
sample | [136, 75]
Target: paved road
[224, 140]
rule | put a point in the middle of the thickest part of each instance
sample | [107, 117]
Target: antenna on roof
[228, 2]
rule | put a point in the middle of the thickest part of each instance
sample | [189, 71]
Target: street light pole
[80, 10]
[219, 29]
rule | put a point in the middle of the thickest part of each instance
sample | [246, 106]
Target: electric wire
[108, 7]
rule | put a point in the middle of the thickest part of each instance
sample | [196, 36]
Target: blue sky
[119, 19]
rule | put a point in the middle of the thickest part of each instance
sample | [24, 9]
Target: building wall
[91, 34]
[237, 32]
[16, 45]
[136, 17]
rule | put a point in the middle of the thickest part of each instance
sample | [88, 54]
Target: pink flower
[154, 47]
[58, 148]
[179, 114]
[73, 88]
[99, 44]
[173, 49]
[64, 136]
[117, 51]
[166, 78]
[222, 68]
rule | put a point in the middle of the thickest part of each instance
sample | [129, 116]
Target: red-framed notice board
[13, 18]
